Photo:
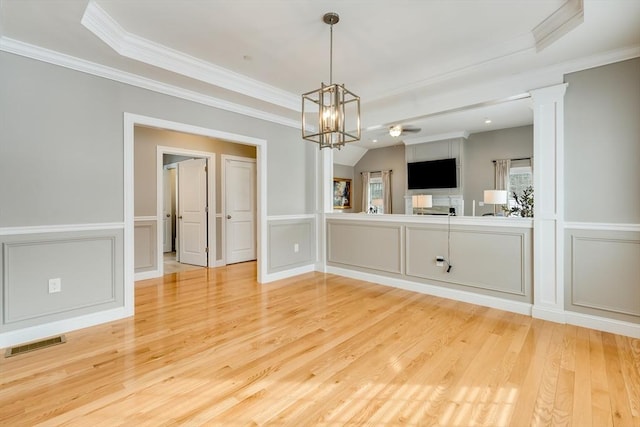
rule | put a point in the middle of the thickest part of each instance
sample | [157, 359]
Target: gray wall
[62, 162]
[602, 144]
[602, 189]
[146, 142]
[387, 158]
[479, 151]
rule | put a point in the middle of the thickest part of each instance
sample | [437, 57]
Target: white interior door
[192, 211]
[167, 234]
[240, 210]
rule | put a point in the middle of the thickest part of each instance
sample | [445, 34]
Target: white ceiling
[408, 60]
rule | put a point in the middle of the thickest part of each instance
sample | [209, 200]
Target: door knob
[168, 216]
[180, 217]
[228, 216]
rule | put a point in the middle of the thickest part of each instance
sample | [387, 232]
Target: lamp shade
[495, 197]
[422, 201]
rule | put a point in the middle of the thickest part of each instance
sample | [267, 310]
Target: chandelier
[331, 114]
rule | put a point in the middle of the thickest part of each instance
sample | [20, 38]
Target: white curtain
[502, 174]
[386, 192]
[366, 177]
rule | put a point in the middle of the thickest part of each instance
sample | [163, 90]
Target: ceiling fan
[397, 130]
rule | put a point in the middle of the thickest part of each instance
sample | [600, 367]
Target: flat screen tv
[432, 174]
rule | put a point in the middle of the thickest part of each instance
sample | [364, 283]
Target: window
[520, 177]
[376, 187]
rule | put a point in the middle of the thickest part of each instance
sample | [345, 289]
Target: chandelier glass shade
[331, 114]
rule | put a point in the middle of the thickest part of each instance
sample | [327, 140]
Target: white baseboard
[439, 291]
[552, 315]
[25, 335]
[602, 324]
[144, 275]
[288, 273]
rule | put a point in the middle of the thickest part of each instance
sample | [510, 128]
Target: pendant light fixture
[331, 114]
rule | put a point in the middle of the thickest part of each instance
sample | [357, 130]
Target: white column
[324, 176]
[548, 218]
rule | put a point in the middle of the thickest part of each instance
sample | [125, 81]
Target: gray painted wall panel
[603, 274]
[369, 245]
[89, 264]
[494, 261]
[144, 241]
[283, 235]
[490, 259]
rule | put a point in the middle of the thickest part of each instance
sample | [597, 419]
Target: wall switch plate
[480, 203]
[55, 285]
[296, 248]
[439, 261]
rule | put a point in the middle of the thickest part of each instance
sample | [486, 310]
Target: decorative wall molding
[60, 59]
[290, 217]
[12, 309]
[559, 23]
[619, 254]
[291, 244]
[524, 267]
[501, 222]
[60, 228]
[130, 45]
[145, 218]
[601, 226]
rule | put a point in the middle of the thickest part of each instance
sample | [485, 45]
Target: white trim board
[438, 291]
[60, 228]
[601, 226]
[62, 60]
[24, 335]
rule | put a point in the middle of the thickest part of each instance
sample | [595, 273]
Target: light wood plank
[213, 347]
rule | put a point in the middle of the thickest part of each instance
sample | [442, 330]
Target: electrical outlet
[55, 285]
[296, 248]
[439, 261]
[480, 203]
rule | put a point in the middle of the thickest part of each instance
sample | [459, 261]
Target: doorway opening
[133, 120]
[186, 202]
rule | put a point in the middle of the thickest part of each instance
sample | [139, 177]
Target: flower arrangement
[524, 204]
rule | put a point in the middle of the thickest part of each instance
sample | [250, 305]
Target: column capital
[548, 94]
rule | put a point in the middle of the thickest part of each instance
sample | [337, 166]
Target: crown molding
[129, 45]
[56, 58]
[566, 18]
[432, 138]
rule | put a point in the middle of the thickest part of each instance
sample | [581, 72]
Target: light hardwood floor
[213, 347]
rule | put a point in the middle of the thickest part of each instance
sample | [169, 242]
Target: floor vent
[25, 348]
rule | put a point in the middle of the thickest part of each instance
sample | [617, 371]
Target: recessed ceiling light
[374, 140]
[487, 121]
